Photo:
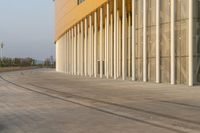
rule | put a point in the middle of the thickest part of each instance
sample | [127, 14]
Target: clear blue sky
[27, 28]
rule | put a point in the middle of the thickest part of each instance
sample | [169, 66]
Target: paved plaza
[44, 101]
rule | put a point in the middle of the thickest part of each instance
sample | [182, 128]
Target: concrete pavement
[44, 101]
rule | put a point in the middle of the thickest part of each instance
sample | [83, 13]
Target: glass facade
[139, 39]
[181, 41]
[196, 41]
[80, 1]
[165, 28]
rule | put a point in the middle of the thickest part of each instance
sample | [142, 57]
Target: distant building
[140, 40]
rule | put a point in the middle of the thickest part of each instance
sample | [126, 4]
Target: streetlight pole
[2, 45]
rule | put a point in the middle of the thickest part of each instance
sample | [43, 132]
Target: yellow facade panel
[68, 13]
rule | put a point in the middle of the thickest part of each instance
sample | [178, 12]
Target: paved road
[43, 101]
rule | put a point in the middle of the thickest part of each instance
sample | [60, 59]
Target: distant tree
[27, 62]
[47, 62]
[6, 62]
[17, 61]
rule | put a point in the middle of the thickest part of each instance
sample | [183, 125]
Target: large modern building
[140, 40]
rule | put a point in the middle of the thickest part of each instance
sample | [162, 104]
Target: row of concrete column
[90, 42]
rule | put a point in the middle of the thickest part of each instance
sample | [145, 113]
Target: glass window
[80, 1]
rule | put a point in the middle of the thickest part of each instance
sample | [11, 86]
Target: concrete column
[64, 48]
[67, 61]
[95, 43]
[144, 41]
[69, 55]
[72, 43]
[124, 40]
[129, 45]
[111, 47]
[65, 41]
[75, 50]
[68, 46]
[78, 49]
[191, 82]
[172, 41]
[68, 51]
[118, 45]
[157, 41]
[133, 40]
[92, 50]
[107, 40]
[65, 52]
[115, 38]
[90, 47]
[105, 47]
[71, 51]
[57, 57]
[82, 50]
[101, 42]
[85, 48]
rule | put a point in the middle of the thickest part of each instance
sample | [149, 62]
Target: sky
[27, 28]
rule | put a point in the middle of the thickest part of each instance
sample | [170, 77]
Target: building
[140, 40]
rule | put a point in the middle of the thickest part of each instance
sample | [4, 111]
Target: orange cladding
[69, 13]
